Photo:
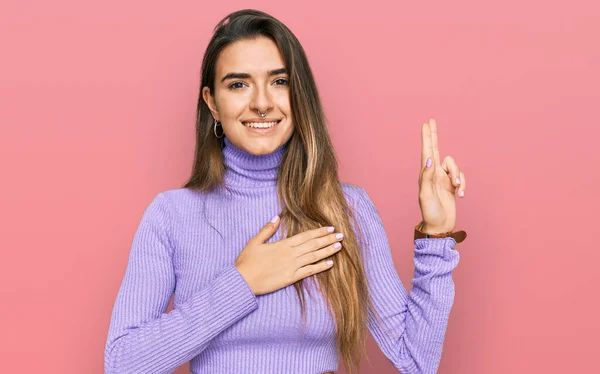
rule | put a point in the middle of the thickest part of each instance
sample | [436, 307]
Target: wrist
[423, 231]
[245, 277]
[434, 230]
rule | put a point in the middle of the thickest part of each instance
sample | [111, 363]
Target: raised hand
[267, 267]
[438, 184]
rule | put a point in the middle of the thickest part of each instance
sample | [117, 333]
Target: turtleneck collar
[244, 169]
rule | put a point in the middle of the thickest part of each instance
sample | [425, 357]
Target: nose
[261, 100]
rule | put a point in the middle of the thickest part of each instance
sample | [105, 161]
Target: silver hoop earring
[215, 129]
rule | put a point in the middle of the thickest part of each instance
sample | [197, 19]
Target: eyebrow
[246, 75]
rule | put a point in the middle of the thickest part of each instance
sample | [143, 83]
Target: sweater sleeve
[142, 338]
[411, 327]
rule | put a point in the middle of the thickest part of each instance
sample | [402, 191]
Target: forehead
[253, 56]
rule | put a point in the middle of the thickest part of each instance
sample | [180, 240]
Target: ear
[210, 101]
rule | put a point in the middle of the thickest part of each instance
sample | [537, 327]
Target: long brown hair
[308, 186]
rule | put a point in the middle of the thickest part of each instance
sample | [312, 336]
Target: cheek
[282, 101]
[232, 106]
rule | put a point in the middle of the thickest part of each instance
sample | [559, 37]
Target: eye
[282, 81]
[236, 85]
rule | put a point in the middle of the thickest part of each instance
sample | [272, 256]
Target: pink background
[97, 113]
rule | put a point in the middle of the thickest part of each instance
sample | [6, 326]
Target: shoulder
[179, 200]
[181, 195]
[352, 192]
[365, 218]
[356, 196]
[361, 203]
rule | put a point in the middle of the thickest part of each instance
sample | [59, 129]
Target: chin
[262, 146]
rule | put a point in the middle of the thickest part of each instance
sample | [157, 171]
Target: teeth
[260, 125]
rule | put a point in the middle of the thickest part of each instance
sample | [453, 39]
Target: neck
[244, 169]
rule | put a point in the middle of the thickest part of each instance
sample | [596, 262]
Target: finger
[314, 256]
[434, 141]
[309, 270]
[315, 244]
[451, 168]
[427, 164]
[305, 236]
[463, 185]
[426, 146]
[266, 231]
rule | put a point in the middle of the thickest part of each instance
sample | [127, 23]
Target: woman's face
[250, 77]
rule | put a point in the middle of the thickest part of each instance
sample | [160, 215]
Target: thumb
[267, 231]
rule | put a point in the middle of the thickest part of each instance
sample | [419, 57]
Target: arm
[142, 338]
[412, 327]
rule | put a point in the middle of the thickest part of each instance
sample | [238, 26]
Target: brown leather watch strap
[459, 236]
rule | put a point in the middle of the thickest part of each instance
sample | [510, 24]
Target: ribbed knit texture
[186, 244]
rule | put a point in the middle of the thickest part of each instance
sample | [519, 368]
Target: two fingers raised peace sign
[438, 184]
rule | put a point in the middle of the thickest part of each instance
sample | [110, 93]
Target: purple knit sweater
[186, 244]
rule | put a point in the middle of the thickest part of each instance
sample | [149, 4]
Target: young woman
[290, 294]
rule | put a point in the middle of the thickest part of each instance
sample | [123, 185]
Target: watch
[459, 236]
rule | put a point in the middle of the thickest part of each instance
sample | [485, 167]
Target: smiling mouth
[260, 125]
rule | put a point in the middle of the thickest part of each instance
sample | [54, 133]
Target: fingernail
[428, 162]
[457, 180]
[462, 193]
[330, 229]
[275, 219]
[329, 263]
[337, 245]
[339, 236]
